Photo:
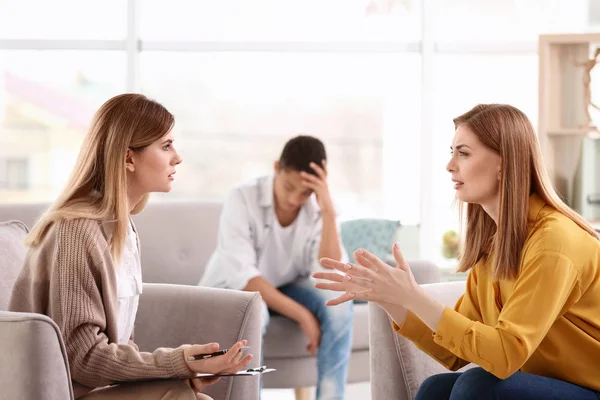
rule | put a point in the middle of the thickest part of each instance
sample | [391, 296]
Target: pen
[198, 357]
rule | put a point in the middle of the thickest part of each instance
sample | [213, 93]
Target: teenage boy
[272, 232]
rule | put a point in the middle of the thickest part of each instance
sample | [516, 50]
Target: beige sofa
[397, 367]
[177, 238]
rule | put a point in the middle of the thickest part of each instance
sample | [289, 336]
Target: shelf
[570, 38]
[567, 143]
[573, 132]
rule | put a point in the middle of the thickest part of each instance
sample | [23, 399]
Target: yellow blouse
[546, 322]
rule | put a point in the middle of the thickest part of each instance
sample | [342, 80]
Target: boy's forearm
[276, 300]
[330, 242]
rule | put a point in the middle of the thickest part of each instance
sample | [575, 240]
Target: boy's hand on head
[318, 184]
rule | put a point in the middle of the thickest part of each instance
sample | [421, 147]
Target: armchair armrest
[34, 360]
[172, 315]
[397, 367]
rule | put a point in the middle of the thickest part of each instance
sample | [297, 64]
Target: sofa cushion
[375, 235]
[177, 239]
[27, 213]
[283, 338]
[12, 254]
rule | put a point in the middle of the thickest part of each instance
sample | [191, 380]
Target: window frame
[427, 47]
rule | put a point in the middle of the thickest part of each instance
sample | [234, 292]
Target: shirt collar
[108, 228]
[265, 191]
[536, 203]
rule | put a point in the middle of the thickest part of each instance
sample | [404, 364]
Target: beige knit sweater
[71, 278]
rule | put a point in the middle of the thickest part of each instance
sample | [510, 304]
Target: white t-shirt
[276, 262]
[248, 226]
[129, 286]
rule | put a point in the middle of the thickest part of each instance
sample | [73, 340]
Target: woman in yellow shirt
[530, 315]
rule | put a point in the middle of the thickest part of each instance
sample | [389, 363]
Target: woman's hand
[371, 279]
[199, 384]
[230, 362]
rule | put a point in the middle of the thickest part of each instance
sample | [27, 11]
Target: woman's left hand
[199, 384]
[371, 279]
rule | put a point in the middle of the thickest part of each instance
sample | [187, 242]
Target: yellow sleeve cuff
[452, 329]
[413, 328]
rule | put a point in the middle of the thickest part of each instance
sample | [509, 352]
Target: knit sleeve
[79, 312]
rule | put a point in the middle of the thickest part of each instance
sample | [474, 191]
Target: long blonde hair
[508, 132]
[97, 187]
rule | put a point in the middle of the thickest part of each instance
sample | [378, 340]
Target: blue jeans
[477, 383]
[336, 335]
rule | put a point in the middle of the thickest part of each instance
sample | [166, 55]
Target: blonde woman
[530, 315]
[84, 251]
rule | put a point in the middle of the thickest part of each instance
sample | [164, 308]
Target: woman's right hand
[230, 362]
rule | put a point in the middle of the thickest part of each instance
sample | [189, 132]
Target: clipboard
[246, 372]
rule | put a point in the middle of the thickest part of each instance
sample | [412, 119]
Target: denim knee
[336, 317]
[437, 386]
[475, 383]
[434, 381]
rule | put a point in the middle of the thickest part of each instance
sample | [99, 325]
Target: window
[241, 77]
[313, 21]
[62, 19]
[47, 99]
[506, 20]
[236, 110]
[14, 174]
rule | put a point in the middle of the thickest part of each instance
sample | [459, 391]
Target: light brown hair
[508, 132]
[97, 187]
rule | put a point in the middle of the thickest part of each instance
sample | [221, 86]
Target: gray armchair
[397, 367]
[170, 315]
[34, 362]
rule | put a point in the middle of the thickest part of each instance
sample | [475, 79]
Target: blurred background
[379, 81]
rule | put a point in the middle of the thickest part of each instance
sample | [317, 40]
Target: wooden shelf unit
[561, 113]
